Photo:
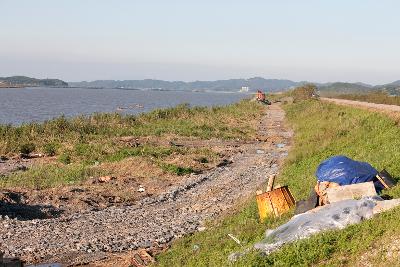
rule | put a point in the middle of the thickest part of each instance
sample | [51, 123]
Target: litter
[344, 171]
[235, 239]
[201, 228]
[280, 145]
[275, 201]
[346, 188]
[339, 171]
[10, 262]
[106, 179]
[386, 179]
[141, 189]
[271, 181]
[353, 191]
[331, 216]
[141, 258]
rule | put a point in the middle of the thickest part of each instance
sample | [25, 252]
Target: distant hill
[23, 81]
[358, 88]
[233, 85]
[391, 88]
[395, 83]
[345, 88]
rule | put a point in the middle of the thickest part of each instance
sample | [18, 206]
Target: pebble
[152, 221]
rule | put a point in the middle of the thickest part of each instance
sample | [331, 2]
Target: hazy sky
[201, 40]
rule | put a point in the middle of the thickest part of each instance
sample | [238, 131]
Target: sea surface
[22, 105]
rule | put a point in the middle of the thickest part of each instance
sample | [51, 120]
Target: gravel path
[381, 107]
[154, 221]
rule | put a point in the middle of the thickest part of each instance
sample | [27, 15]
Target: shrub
[50, 149]
[304, 92]
[27, 148]
[177, 169]
[65, 158]
[203, 160]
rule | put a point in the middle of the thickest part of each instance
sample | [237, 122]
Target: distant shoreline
[31, 86]
[131, 89]
[15, 86]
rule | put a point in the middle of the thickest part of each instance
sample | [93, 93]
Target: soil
[119, 189]
[108, 228]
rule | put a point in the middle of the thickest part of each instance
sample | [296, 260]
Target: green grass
[97, 132]
[178, 170]
[50, 175]
[82, 142]
[321, 130]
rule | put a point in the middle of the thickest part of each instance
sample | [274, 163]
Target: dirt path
[153, 221]
[367, 105]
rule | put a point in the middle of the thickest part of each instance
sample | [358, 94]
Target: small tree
[304, 92]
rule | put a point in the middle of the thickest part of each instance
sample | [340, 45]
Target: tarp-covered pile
[345, 171]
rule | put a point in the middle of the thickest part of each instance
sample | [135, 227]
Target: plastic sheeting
[344, 171]
[332, 216]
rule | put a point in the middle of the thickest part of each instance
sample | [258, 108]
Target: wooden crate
[275, 202]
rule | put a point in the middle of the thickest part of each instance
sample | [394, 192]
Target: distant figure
[260, 96]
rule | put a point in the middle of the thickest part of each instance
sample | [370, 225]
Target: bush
[177, 169]
[50, 149]
[27, 148]
[65, 158]
[304, 92]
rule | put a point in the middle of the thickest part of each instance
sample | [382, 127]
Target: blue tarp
[345, 171]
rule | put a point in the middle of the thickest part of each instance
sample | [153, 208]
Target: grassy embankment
[321, 130]
[88, 146]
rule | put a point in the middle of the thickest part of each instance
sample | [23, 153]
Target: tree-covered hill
[23, 81]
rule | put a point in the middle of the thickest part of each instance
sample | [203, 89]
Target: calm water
[38, 104]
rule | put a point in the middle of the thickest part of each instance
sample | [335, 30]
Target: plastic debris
[235, 239]
[141, 189]
[344, 171]
[331, 216]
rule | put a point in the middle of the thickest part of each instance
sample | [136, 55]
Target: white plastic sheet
[333, 216]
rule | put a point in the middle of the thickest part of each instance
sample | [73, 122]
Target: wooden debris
[270, 182]
[10, 262]
[141, 259]
[275, 203]
[386, 179]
